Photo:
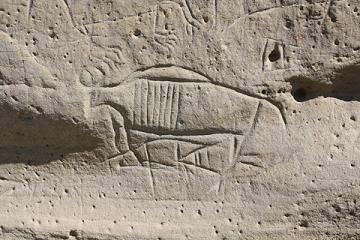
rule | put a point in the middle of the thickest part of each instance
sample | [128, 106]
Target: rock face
[179, 119]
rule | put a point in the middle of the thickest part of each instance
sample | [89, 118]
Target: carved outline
[236, 149]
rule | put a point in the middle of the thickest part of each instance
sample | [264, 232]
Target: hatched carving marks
[214, 153]
[156, 104]
[178, 108]
[175, 118]
[197, 151]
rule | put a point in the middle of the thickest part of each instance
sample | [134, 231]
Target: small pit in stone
[73, 233]
[300, 94]
[206, 19]
[137, 32]
[275, 54]
[304, 223]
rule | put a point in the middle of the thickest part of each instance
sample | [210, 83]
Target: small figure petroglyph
[173, 23]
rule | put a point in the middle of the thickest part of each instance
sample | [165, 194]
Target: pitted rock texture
[179, 119]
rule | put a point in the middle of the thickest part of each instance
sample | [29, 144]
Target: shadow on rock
[345, 86]
[36, 139]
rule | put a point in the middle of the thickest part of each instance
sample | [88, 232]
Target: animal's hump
[171, 73]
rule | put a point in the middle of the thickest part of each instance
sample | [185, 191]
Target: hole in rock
[275, 54]
[73, 233]
[206, 19]
[304, 223]
[137, 32]
[300, 94]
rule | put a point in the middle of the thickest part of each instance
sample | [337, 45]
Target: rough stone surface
[181, 119]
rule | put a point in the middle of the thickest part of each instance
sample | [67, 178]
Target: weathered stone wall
[181, 119]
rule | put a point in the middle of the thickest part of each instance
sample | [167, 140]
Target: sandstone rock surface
[179, 119]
